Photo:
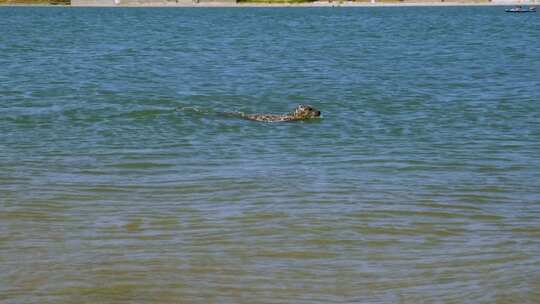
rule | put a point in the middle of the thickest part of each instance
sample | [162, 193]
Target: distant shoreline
[308, 4]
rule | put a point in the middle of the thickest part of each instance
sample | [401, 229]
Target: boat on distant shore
[519, 9]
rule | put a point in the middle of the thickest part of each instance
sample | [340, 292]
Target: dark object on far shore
[519, 9]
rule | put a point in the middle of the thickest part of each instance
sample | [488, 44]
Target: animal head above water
[306, 112]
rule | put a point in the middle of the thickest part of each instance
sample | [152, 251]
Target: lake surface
[121, 181]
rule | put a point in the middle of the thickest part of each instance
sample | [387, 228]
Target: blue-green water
[121, 182]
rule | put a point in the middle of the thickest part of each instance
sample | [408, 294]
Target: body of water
[122, 182]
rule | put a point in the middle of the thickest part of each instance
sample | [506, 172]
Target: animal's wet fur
[301, 112]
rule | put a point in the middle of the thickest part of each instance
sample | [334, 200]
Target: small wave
[192, 109]
[146, 113]
[142, 165]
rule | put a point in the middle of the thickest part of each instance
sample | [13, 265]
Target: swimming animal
[301, 112]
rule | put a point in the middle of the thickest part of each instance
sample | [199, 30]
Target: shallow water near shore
[120, 182]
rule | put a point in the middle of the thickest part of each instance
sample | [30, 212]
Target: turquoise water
[121, 181]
